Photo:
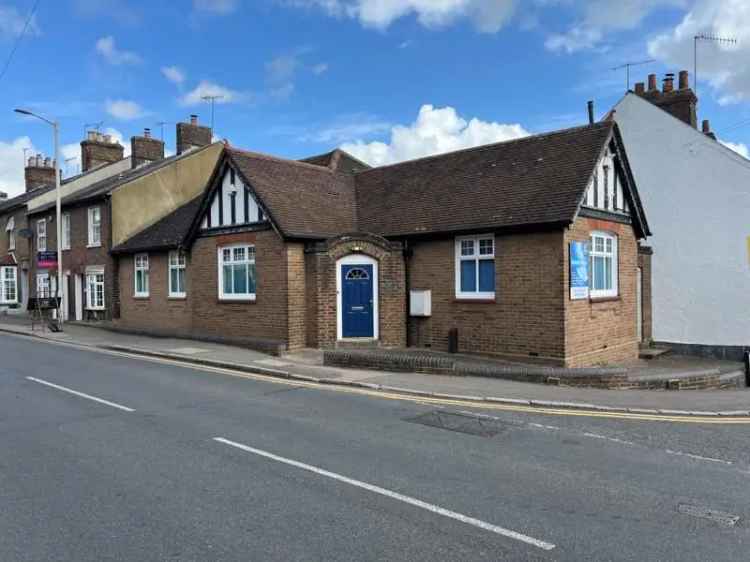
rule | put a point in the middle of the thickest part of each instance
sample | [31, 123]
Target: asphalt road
[176, 463]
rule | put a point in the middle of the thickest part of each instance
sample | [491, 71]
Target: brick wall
[296, 296]
[598, 332]
[23, 250]
[157, 313]
[526, 317]
[645, 254]
[261, 321]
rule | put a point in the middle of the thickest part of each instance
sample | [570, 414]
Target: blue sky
[388, 79]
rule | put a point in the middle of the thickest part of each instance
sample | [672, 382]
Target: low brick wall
[613, 378]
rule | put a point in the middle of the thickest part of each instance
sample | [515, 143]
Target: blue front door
[357, 301]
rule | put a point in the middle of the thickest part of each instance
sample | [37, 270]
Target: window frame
[91, 212]
[41, 294]
[3, 292]
[10, 228]
[141, 268]
[614, 292]
[477, 257]
[41, 235]
[65, 231]
[249, 261]
[180, 265]
[90, 304]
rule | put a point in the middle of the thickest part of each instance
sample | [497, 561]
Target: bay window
[141, 275]
[604, 266]
[237, 273]
[177, 275]
[8, 285]
[475, 267]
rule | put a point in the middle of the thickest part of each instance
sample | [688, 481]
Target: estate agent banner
[46, 259]
[579, 270]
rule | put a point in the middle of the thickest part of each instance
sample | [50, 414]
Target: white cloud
[724, 66]
[345, 128]
[574, 40]
[119, 10]
[208, 88]
[436, 130]
[487, 16]
[125, 110]
[174, 74]
[12, 165]
[107, 48]
[12, 23]
[220, 7]
[320, 68]
[739, 148]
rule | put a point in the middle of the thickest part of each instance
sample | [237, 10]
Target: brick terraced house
[470, 250]
[96, 218]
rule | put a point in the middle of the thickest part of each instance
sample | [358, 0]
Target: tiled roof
[304, 200]
[531, 181]
[338, 160]
[166, 234]
[14, 202]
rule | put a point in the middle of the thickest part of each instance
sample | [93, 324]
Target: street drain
[719, 517]
[459, 422]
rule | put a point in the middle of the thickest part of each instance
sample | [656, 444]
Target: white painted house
[697, 193]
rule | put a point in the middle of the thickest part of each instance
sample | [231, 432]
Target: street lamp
[56, 129]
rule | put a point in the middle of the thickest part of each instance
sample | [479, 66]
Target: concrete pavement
[307, 365]
[87, 481]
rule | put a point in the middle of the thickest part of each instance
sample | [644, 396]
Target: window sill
[177, 298]
[597, 300]
[475, 300]
[93, 245]
[243, 300]
[142, 297]
[95, 309]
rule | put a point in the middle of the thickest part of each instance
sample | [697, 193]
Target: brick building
[484, 250]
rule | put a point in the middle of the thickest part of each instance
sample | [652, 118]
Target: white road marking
[81, 394]
[393, 495]
[696, 457]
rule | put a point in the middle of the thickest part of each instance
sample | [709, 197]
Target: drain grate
[460, 423]
[719, 517]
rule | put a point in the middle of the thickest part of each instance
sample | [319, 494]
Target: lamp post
[56, 130]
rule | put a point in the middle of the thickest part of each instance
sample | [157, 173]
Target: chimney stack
[145, 149]
[640, 88]
[39, 172]
[591, 112]
[99, 150]
[191, 135]
[684, 80]
[3, 196]
[681, 103]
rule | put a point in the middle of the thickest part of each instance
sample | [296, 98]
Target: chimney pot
[48, 162]
[651, 82]
[640, 88]
[147, 133]
[193, 119]
[91, 135]
[591, 112]
[706, 126]
[684, 80]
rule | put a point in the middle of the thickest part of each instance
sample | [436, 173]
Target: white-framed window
[95, 226]
[604, 265]
[141, 275]
[41, 235]
[237, 272]
[475, 267]
[10, 229]
[8, 285]
[43, 289]
[177, 275]
[66, 231]
[95, 290]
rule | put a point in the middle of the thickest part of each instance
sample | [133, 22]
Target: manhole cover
[460, 422]
[722, 518]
